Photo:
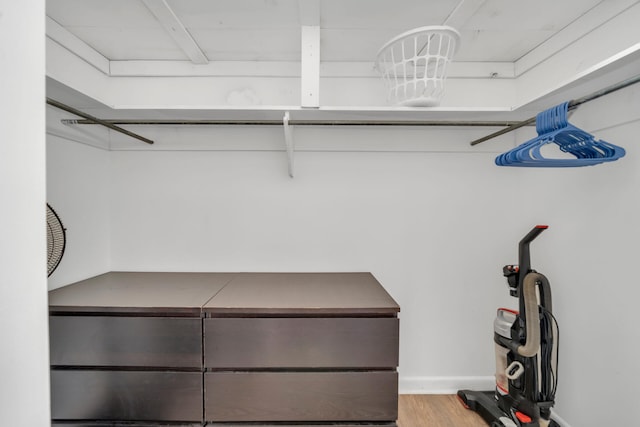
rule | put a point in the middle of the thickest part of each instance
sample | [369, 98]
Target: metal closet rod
[297, 122]
[95, 120]
[573, 104]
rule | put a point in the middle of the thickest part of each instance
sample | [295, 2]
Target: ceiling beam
[176, 29]
[73, 44]
[590, 21]
[288, 69]
[585, 59]
[463, 11]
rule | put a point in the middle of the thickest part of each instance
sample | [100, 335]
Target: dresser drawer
[301, 396]
[146, 424]
[174, 342]
[239, 343]
[284, 425]
[126, 395]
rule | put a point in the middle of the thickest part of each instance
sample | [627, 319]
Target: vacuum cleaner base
[484, 403]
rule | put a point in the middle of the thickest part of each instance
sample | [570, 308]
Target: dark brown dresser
[228, 349]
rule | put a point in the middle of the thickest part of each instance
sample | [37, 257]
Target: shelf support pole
[310, 67]
[310, 53]
[289, 143]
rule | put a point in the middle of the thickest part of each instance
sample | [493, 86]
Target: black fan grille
[56, 240]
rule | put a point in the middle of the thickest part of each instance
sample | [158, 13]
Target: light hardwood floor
[435, 410]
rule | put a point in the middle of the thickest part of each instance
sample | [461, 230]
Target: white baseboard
[443, 385]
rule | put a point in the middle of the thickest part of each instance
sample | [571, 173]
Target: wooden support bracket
[289, 143]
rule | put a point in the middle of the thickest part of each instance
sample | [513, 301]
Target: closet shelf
[265, 115]
[288, 117]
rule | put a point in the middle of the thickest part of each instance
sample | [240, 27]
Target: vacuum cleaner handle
[524, 257]
[528, 281]
[532, 319]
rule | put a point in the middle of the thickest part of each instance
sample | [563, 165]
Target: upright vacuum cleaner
[526, 345]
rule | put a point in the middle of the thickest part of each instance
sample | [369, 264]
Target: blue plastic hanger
[553, 126]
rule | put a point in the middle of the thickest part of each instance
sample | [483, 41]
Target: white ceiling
[351, 30]
[182, 58]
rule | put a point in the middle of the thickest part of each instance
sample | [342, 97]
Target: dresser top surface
[140, 291]
[302, 293]
[226, 294]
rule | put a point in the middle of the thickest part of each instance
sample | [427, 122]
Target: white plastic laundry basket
[413, 65]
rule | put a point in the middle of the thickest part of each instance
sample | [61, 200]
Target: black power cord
[550, 330]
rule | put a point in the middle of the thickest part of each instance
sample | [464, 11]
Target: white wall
[590, 261]
[414, 219]
[78, 190]
[431, 218]
[24, 371]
